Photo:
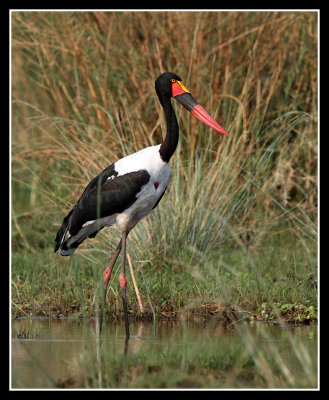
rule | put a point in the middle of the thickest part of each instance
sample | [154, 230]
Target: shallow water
[42, 350]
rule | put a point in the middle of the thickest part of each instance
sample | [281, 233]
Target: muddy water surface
[42, 350]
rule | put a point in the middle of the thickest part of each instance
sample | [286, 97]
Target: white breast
[147, 159]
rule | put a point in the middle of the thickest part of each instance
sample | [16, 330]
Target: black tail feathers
[63, 236]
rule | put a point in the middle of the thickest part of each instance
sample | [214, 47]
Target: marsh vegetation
[235, 236]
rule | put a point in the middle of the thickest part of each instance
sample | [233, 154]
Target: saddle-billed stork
[128, 190]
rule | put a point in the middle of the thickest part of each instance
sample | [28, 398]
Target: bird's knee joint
[123, 281]
[107, 274]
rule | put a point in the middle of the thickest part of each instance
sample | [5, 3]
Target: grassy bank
[267, 282]
[237, 228]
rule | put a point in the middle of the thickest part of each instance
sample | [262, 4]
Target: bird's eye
[172, 80]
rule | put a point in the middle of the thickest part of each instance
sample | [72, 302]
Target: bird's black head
[170, 85]
[163, 85]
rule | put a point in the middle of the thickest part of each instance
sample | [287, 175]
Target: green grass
[273, 280]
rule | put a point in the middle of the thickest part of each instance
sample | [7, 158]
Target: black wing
[105, 196]
[101, 198]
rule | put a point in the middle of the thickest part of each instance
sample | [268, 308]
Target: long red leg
[107, 276]
[123, 284]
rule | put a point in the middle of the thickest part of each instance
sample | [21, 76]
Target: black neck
[168, 147]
